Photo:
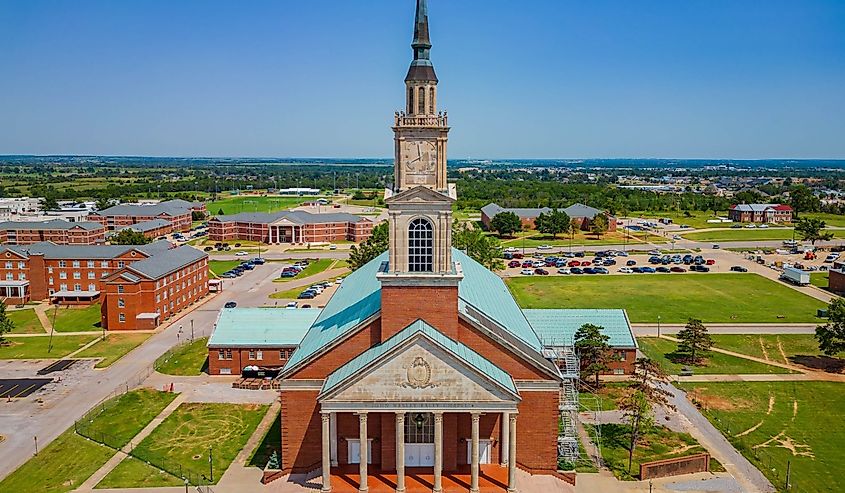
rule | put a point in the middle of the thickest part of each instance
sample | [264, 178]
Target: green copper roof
[558, 327]
[359, 298]
[460, 351]
[261, 327]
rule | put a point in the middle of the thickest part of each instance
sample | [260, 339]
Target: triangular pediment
[420, 371]
[419, 195]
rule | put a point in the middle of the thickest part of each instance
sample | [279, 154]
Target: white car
[544, 247]
[332, 247]
[564, 271]
[626, 270]
[338, 281]
[750, 226]
[527, 272]
[290, 305]
[510, 249]
[241, 254]
[763, 226]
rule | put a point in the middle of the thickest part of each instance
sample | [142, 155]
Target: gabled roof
[145, 226]
[581, 210]
[359, 299]
[557, 328]
[261, 327]
[490, 210]
[760, 207]
[53, 224]
[167, 262]
[421, 329]
[80, 252]
[421, 194]
[297, 217]
[170, 207]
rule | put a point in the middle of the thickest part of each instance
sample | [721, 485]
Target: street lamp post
[658, 326]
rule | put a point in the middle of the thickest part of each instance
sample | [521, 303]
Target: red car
[677, 269]
[585, 264]
[710, 261]
[527, 264]
[517, 255]
[541, 272]
[574, 263]
[513, 263]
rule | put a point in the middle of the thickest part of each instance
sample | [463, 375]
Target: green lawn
[26, 321]
[658, 444]
[802, 349]
[289, 294]
[70, 459]
[835, 220]
[116, 421]
[819, 279]
[114, 347]
[314, 267]
[697, 219]
[803, 428]
[185, 360]
[716, 298]
[744, 234]
[254, 203]
[606, 399]
[272, 441]
[533, 239]
[663, 352]
[37, 347]
[139, 474]
[218, 267]
[182, 442]
[75, 319]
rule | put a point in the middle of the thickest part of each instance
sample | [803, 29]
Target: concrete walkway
[650, 330]
[118, 457]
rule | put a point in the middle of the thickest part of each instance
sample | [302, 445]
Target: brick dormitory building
[290, 227]
[421, 372]
[580, 214]
[57, 231]
[85, 274]
[176, 211]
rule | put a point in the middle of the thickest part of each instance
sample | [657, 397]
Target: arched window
[431, 100]
[420, 246]
[410, 100]
[421, 102]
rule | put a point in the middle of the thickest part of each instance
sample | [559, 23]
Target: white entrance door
[484, 447]
[354, 450]
[419, 455]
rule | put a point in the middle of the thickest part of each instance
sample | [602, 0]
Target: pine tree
[593, 349]
[694, 340]
[6, 324]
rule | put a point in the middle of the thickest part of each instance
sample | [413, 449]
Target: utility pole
[658, 326]
[210, 464]
[192, 330]
[788, 474]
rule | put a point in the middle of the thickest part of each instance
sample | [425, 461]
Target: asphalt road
[22, 420]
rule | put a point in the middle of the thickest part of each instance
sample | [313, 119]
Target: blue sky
[526, 79]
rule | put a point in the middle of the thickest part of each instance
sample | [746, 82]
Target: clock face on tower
[419, 161]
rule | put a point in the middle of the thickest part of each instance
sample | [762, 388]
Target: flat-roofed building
[259, 339]
[290, 227]
[57, 231]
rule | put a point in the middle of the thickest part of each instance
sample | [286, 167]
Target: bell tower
[420, 279]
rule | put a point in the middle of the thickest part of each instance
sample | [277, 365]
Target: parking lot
[15, 388]
[619, 263]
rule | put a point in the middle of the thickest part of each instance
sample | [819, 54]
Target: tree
[646, 391]
[802, 199]
[506, 223]
[6, 324]
[197, 216]
[599, 225]
[553, 222]
[370, 248]
[49, 203]
[129, 237]
[484, 249]
[220, 212]
[104, 202]
[593, 349]
[694, 339]
[812, 229]
[831, 336]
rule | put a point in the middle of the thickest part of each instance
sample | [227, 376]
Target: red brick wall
[270, 357]
[343, 353]
[536, 431]
[402, 305]
[836, 281]
[301, 431]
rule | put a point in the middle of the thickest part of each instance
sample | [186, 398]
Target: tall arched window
[410, 100]
[420, 246]
[421, 102]
[431, 100]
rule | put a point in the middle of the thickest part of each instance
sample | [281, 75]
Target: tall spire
[421, 68]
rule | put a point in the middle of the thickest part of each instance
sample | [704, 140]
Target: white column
[505, 430]
[438, 452]
[512, 455]
[327, 472]
[362, 435]
[473, 485]
[400, 452]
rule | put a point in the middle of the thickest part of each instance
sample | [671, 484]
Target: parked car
[710, 261]
[579, 254]
[637, 270]
[631, 263]
[589, 270]
[230, 304]
[518, 256]
[258, 261]
[513, 263]
[241, 254]
[716, 247]
[574, 263]
[738, 268]
[648, 270]
[544, 247]
[564, 271]
[677, 269]
[527, 272]
[609, 261]
[228, 275]
[626, 270]
[208, 249]
[291, 304]
[576, 270]
[586, 263]
[601, 270]
[541, 272]
[307, 295]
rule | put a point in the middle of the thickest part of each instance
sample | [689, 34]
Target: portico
[286, 231]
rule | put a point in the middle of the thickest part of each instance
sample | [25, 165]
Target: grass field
[26, 321]
[314, 267]
[114, 347]
[606, 399]
[186, 360]
[71, 459]
[73, 319]
[184, 439]
[289, 294]
[772, 423]
[835, 220]
[658, 444]
[533, 239]
[819, 279]
[123, 417]
[37, 347]
[218, 267]
[254, 203]
[697, 219]
[663, 352]
[715, 298]
[272, 441]
[800, 349]
[139, 474]
[750, 234]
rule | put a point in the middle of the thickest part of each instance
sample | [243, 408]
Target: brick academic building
[176, 211]
[290, 227]
[56, 231]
